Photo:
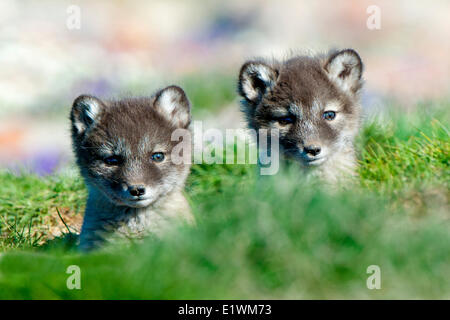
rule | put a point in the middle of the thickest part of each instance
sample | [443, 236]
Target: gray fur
[131, 130]
[303, 88]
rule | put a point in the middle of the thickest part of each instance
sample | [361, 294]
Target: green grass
[259, 238]
[209, 92]
[27, 200]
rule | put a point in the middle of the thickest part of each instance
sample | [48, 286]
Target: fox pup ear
[85, 113]
[345, 69]
[173, 104]
[255, 78]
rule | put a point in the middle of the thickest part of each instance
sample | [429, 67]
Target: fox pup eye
[329, 115]
[158, 156]
[112, 161]
[285, 120]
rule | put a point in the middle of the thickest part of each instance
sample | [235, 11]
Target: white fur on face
[333, 105]
[316, 106]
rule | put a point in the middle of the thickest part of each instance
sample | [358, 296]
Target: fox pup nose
[136, 190]
[312, 150]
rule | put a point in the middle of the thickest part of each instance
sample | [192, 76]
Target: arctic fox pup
[314, 103]
[123, 149]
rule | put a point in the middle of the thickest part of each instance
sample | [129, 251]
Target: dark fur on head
[130, 131]
[295, 95]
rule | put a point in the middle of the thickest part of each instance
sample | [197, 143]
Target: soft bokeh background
[135, 47]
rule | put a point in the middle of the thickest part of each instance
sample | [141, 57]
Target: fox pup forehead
[130, 125]
[124, 144]
[312, 100]
[130, 118]
[301, 81]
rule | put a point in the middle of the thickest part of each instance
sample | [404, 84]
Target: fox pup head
[124, 147]
[312, 101]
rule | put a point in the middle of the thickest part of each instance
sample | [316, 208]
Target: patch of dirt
[421, 203]
[57, 226]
